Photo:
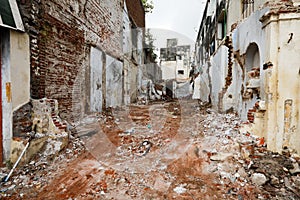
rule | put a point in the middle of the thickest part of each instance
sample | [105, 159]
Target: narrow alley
[149, 99]
[164, 150]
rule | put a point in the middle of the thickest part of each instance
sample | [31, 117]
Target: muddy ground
[164, 150]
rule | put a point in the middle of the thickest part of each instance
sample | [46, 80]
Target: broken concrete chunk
[259, 179]
[220, 156]
[180, 189]
[296, 169]
[274, 180]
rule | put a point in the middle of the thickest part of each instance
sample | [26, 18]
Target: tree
[149, 46]
[148, 5]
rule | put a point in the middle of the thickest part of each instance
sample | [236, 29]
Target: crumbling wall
[282, 75]
[49, 133]
[114, 82]
[61, 33]
[96, 79]
[22, 120]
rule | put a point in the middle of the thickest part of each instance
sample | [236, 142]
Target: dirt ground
[164, 150]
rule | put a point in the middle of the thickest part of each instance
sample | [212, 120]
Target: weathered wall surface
[182, 66]
[114, 82]
[217, 73]
[152, 71]
[61, 33]
[168, 69]
[15, 83]
[127, 49]
[244, 62]
[96, 96]
[256, 73]
[22, 120]
[283, 80]
[133, 82]
[20, 67]
[6, 92]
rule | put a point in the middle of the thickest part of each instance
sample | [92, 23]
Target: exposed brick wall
[61, 47]
[136, 12]
[61, 33]
[22, 122]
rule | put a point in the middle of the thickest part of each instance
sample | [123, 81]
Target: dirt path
[171, 150]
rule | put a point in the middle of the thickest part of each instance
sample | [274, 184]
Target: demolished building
[84, 55]
[247, 53]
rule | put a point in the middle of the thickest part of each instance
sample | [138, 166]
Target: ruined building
[78, 56]
[247, 53]
[175, 61]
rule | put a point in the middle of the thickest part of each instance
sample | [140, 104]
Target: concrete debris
[258, 179]
[220, 156]
[180, 189]
[152, 155]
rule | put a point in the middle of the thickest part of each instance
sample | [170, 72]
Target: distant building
[247, 53]
[175, 61]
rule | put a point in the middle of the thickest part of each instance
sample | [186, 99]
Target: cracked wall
[61, 35]
[261, 79]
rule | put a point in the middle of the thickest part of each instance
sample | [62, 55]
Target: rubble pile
[244, 163]
[38, 172]
[139, 129]
[174, 150]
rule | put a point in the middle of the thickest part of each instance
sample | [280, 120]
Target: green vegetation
[148, 5]
[149, 40]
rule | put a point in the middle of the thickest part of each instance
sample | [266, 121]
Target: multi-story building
[247, 55]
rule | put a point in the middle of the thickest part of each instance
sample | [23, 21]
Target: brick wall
[61, 33]
[22, 122]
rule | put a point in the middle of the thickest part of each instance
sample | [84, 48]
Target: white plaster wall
[288, 79]
[279, 83]
[258, 4]
[127, 50]
[233, 96]
[271, 86]
[127, 46]
[114, 82]
[204, 83]
[180, 66]
[96, 66]
[168, 70]
[133, 82]
[140, 39]
[217, 72]
[6, 95]
[234, 14]
[20, 68]
[182, 89]
[127, 78]
[250, 31]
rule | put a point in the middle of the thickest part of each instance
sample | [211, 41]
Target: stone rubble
[222, 162]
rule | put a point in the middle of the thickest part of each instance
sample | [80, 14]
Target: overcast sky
[181, 16]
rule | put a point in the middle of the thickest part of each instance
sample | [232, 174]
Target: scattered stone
[180, 189]
[220, 156]
[296, 169]
[259, 179]
[161, 184]
[274, 180]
